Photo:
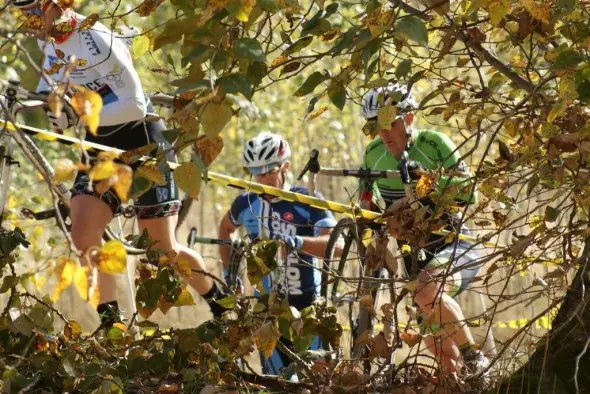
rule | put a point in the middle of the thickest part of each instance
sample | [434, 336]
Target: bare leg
[90, 216]
[443, 353]
[448, 314]
[162, 230]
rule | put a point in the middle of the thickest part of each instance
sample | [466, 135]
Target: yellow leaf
[185, 298]
[103, 169]
[213, 7]
[34, 22]
[498, 9]
[244, 9]
[330, 35]
[541, 12]
[409, 338]
[131, 156]
[12, 202]
[65, 269]
[87, 105]
[151, 173]
[450, 237]
[317, 112]
[112, 258]
[40, 281]
[81, 281]
[266, 336]
[411, 285]
[386, 116]
[424, 185]
[184, 267]
[120, 326]
[208, 148]
[279, 61]
[55, 67]
[188, 179]
[214, 117]
[141, 44]
[88, 22]
[557, 111]
[123, 181]
[65, 170]
[147, 7]
[406, 249]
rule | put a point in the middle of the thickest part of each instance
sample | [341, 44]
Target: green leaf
[256, 72]
[298, 45]
[372, 5]
[567, 59]
[337, 95]
[332, 8]
[311, 23]
[141, 44]
[188, 178]
[198, 51]
[197, 86]
[235, 83]
[311, 105]
[551, 214]
[566, 6]
[403, 69]
[311, 83]
[496, 82]
[228, 302]
[413, 28]
[270, 5]
[7, 283]
[214, 116]
[250, 49]
[171, 135]
[140, 186]
[115, 334]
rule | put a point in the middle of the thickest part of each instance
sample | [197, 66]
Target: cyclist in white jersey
[109, 71]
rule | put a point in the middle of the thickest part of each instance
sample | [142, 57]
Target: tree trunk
[553, 367]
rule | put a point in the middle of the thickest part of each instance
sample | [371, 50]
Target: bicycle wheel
[342, 293]
[4, 177]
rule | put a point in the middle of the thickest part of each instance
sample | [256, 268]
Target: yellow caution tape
[226, 180]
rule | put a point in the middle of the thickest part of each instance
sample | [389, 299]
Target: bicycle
[18, 100]
[352, 237]
[370, 278]
[238, 250]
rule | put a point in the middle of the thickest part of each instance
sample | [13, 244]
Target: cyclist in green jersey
[452, 341]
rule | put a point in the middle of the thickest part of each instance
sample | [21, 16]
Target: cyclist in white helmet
[109, 71]
[452, 340]
[304, 230]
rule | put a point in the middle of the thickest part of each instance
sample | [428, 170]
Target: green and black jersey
[434, 150]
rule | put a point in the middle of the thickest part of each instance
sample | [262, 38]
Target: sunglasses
[39, 10]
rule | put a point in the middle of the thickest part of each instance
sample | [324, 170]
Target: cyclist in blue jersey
[304, 230]
[108, 70]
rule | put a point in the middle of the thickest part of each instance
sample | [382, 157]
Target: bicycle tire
[351, 232]
[4, 177]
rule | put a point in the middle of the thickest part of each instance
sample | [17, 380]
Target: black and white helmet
[264, 152]
[396, 94]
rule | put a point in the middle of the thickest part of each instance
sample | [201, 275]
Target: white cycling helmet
[397, 95]
[265, 152]
[25, 3]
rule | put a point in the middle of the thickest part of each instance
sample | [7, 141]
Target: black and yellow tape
[229, 181]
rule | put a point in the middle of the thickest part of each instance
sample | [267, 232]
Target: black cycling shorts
[159, 201]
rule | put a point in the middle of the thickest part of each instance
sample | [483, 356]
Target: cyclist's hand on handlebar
[294, 242]
[66, 119]
[415, 168]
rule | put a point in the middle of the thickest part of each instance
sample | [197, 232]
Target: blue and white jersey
[259, 216]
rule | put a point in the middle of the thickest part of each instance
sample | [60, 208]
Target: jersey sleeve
[364, 183]
[463, 184]
[238, 207]
[123, 98]
[321, 218]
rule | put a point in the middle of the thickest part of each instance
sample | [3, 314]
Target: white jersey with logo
[109, 71]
